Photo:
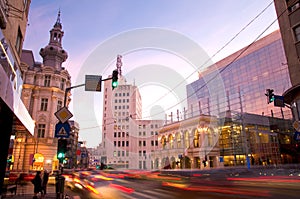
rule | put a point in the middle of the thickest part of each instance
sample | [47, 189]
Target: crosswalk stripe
[145, 195]
[165, 191]
[158, 193]
[126, 196]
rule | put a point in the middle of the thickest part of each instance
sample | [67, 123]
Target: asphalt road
[207, 187]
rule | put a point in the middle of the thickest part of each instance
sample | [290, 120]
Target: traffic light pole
[80, 85]
[68, 90]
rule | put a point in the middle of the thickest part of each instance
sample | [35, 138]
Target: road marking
[157, 192]
[145, 195]
[127, 196]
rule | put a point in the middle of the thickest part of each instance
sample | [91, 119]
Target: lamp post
[19, 140]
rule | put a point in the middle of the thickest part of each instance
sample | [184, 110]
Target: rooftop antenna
[119, 64]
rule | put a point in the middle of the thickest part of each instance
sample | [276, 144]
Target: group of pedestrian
[40, 183]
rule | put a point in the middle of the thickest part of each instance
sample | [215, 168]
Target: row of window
[44, 104]
[121, 153]
[120, 100]
[47, 81]
[123, 143]
[141, 143]
[121, 94]
[120, 107]
[122, 134]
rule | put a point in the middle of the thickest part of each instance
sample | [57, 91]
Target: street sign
[62, 130]
[278, 101]
[297, 136]
[93, 83]
[296, 125]
[63, 114]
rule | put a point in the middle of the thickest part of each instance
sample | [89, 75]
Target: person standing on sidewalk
[45, 182]
[37, 182]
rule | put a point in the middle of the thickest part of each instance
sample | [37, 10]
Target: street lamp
[19, 140]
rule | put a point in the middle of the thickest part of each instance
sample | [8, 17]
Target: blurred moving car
[99, 186]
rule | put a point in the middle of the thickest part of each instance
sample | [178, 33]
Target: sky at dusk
[95, 28]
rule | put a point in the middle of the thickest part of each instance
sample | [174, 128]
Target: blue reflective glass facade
[243, 82]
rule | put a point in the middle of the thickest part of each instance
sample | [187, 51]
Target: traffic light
[270, 94]
[114, 82]
[9, 159]
[61, 149]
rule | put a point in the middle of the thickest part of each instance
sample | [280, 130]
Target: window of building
[59, 104]
[115, 153]
[123, 143]
[119, 153]
[127, 143]
[115, 143]
[47, 80]
[140, 143]
[127, 153]
[144, 153]
[297, 33]
[294, 7]
[144, 143]
[156, 142]
[152, 142]
[44, 104]
[123, 153]
[62, 84]
[119, 143]
[19, 41]
[140, 153]
[41, 130]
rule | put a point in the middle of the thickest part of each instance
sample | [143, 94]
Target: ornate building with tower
[43, 95]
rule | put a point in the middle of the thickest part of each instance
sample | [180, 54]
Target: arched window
[196, 139]
[178, 137]
[209, 136]
[171, 141]
[186, 139]
[163, 142]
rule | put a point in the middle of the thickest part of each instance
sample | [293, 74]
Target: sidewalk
[26, 192]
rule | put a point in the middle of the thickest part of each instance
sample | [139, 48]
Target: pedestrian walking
[44, 183]
[37, 182]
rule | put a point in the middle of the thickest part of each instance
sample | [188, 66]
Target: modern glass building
[234, 90]
[238, 83]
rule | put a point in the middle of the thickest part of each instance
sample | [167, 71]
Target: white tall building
[128, 141]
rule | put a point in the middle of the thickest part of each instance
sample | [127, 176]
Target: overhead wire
[224, 68]
[234, 37]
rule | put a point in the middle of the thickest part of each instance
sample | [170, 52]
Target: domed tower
[53, 54]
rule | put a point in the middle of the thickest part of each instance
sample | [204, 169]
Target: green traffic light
[60, 155]
[115, 84]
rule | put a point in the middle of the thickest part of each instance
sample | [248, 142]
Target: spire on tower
[58, 23]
